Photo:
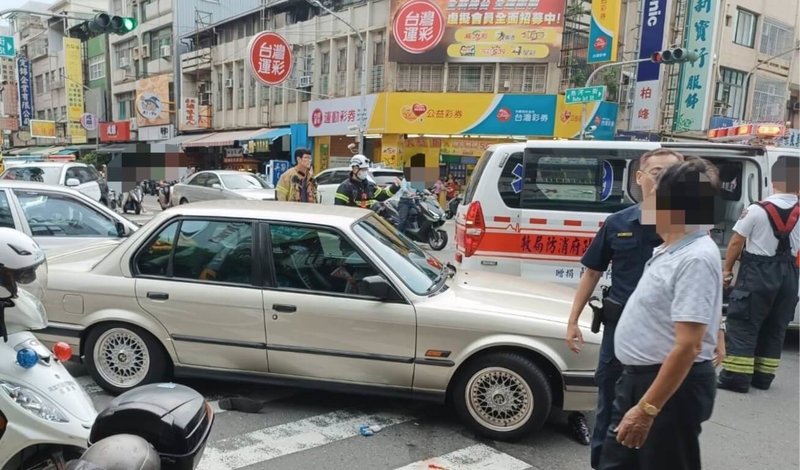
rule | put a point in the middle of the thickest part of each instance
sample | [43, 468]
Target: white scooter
[45, 416]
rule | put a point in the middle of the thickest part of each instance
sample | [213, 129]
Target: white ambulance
[531, 209]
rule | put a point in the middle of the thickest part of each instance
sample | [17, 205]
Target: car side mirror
[121, 231]
[72, 182]
[216, 186]
[378, 286]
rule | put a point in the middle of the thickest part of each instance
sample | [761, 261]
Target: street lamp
[362, 124]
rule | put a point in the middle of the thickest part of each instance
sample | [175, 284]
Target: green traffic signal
[122, 25]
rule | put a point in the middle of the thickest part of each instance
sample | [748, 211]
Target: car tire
[521, 396]
[183, 201]
[120, 356]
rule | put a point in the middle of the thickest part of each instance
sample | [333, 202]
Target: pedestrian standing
[668, 331]
[297, 183]
[439, 191]
[762, 303]
[627, 244]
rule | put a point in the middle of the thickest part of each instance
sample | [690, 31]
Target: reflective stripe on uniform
[282, 189]
[767, 365]
[342, 197]
[739, 364]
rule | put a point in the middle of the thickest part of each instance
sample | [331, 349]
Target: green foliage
[96, 159]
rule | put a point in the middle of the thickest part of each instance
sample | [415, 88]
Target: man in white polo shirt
[666, 336]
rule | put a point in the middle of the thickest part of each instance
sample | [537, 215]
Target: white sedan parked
[328, 181]
[57, 217]
[221, 184]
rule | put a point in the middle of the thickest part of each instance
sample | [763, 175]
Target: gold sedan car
[317, 296]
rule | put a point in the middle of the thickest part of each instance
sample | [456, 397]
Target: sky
[9, 4]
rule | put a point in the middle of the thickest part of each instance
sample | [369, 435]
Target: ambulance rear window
[476, 176]
[575, 179]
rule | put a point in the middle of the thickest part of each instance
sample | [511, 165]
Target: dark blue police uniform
[627, 245]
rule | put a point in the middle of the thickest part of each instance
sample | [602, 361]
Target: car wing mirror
[379, 287]
[216, 186]
[72, 182]
[121, 230]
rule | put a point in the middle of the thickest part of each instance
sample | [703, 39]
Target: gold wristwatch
[648, 408]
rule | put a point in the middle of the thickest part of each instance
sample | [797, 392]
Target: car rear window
[33, 173]
[476, 176]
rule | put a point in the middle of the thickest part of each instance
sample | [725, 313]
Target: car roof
[45, 164]
[337, 216]
[20, 184]
[225, 172]
[372, 169]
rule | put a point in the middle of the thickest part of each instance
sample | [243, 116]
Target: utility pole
[362, 118]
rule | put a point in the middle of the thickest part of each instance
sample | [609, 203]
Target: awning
[174, 144]
[67, 151]
[52, 150]
[224, 139]
[28, 151]
[117, 148]
[273, 134]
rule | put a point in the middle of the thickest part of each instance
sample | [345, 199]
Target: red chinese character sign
[418, 26]
[269, 58]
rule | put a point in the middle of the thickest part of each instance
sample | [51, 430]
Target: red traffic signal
[656, 57]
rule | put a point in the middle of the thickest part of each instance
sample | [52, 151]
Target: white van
[531, 209]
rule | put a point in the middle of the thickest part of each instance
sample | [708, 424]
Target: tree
[95, 159]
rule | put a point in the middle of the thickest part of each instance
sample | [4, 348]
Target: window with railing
[471, 78]
[324, 72]
[220, 84]
[378, 60]
[251, 92]
[530, 78]
[729, 97]
[125, 107]
[229, 83]
[277, 95]
[745, 32]
[776, 38]
[769, 100]
[97, 68]
[308, 73]
[124, 52]
[160, 43]
[420, 77]
[39, 84]
[264, 91]
[341, 71]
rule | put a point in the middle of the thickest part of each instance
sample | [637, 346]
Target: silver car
[57, 217]
[317, 296]
[221, 184]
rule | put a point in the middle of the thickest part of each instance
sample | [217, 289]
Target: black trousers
[673, 442]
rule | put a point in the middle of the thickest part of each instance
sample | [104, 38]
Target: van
[532, 209]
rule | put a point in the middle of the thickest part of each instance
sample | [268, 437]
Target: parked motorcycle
[423, 221]
[165, 195]
[45, 416]
[113, 200]
[452, 206]
[134, 200]
[151, 427]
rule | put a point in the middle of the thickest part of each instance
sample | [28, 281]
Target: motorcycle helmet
[122, 452]
[22, 265]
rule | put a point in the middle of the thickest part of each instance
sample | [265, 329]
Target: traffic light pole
[589, 81]
[39, 13]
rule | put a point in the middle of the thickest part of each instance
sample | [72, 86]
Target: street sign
[7, 46]
[279, 167]
[587, 94]
[88, 121]
[269, 58]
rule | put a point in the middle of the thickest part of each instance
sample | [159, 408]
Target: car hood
[81, 259]
[499, 294]
[255, 193]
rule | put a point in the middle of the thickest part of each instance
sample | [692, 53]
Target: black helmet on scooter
[119, 452]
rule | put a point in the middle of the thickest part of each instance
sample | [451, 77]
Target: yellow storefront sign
[44, 129]
[508, 35]
[73, 70]
[466, 147]
[568, 118]
[77, 133]
[498, 51]
[420, 113]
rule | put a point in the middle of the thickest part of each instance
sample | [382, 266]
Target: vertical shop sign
[696, 79]
[73, 72]
[25, 91]
[604, 31]
[647, 94]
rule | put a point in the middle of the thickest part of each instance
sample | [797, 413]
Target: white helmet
[22, 263]
[359, 161]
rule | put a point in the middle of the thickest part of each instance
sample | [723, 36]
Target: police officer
[627, 244]
[358, 190]
[763, 300]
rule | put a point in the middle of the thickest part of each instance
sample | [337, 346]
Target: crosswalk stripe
[264, 398]
[278, 441]
[88, 385]
[476, 457]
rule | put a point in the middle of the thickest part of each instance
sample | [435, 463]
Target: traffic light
[103, 23]
[676, 55]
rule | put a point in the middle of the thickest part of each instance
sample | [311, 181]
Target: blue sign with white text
[279, 167]
[652, 38]
[530, 115]
[25, 86]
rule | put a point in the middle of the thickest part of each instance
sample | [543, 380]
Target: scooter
[45, 416]
[165, 195]
[134, 201]
[452, 207]
[423, 220]
[113, 200]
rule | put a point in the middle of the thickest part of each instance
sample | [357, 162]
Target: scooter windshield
[33, 280]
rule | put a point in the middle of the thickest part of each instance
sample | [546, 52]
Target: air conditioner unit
[166, 51]
[124, 62]
[136, 53]
[203, 87]
[228, 83]
[796, 106]
[304, 81]
[144, 51]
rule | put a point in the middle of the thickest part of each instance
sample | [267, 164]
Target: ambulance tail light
[474, 228]
[767, 131]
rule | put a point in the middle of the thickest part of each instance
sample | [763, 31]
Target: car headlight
[33, 402]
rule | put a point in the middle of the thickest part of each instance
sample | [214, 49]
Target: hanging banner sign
[647, 93]
[269, 58]
[604, 31]
[25, 91]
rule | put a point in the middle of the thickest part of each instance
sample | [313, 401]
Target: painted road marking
[476, 457]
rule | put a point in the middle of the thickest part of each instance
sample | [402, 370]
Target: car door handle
[284, 308]
[158, 295]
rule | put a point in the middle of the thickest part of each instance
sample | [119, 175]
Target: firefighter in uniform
[763, 300]
[358, 190]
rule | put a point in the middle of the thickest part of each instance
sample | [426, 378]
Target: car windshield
[33, 173]
[243, 181]
[417, 269]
